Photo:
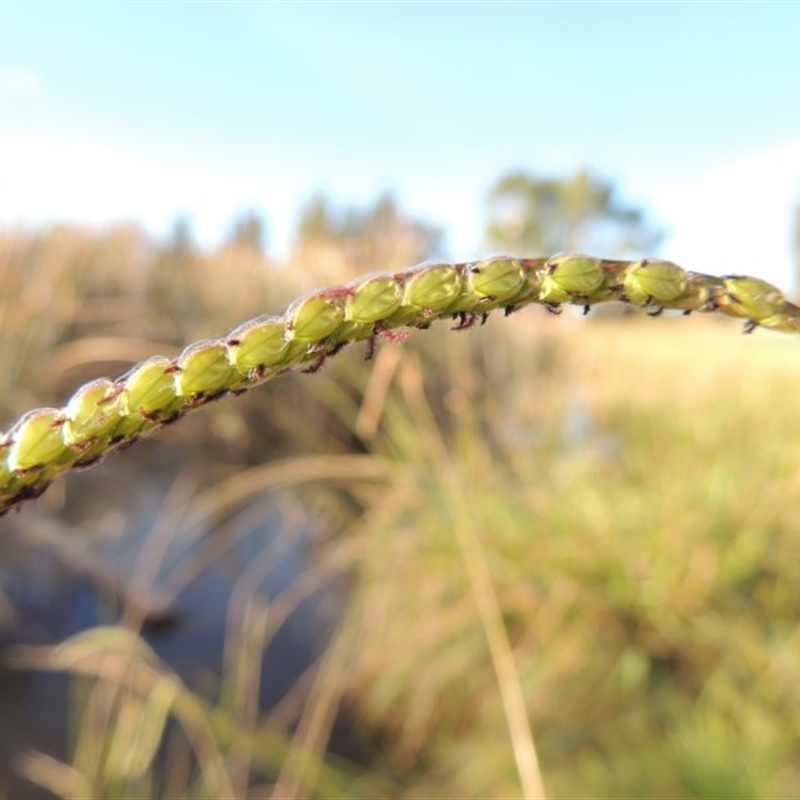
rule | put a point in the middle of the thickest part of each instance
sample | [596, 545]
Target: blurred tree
[529, 215]
[172, 290]
[248, 232]
[351, 240]
[180, 246]
[316, 220]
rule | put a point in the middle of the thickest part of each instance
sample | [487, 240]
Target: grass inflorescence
[105, 415]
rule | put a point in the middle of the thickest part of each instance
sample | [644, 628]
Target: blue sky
[149, 111]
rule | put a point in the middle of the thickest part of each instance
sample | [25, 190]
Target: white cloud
[737, 217]
[16, 81]
[45, 180]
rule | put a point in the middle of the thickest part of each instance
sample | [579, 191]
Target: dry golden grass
[634, 499]
[564, 536]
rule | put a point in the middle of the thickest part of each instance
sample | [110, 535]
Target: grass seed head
[204, 368]
[652, 280]
[149, 394]
[93, 411]
[569, 277]
[750, 298]
[258, 343]
[38, 440]
[373, 299]
[315, 316]
[499, 279]
[434, 286]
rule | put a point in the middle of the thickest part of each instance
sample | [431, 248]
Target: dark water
[51, 604]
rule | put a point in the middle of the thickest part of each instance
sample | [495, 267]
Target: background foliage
[628, 485]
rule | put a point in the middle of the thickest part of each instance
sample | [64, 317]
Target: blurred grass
[645, 561]
[630, 485]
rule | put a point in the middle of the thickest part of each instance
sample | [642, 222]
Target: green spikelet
[203, 370]
[38, 441]
[754, 300]
[495, 282]
[652, 281]
[571, 277]
[373, 299]
[92, 415]
[258, 345]
[370, 301]
[93, 412]
[434, 287]
[750, 298]
[315, 316]
[310, 321]
[427, 291]
[149, 397]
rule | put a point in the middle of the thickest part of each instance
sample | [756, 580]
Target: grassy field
[631, 486]
[581, 533]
